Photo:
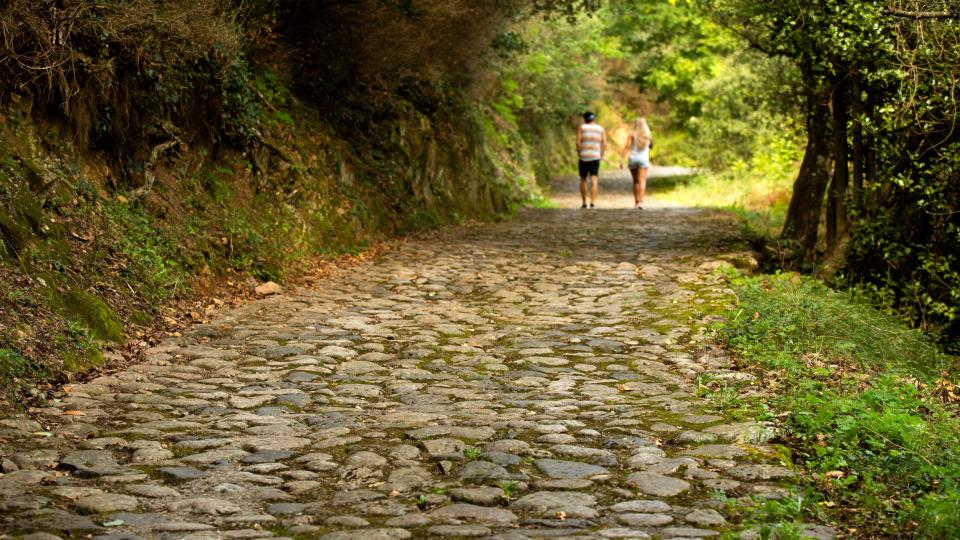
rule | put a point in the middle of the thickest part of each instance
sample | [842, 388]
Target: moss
[14, 365]
[79, 358]
[141, 318]
[95, 314]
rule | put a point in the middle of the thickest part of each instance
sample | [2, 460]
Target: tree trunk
[803, 216]
[856, 104]
[837, 198]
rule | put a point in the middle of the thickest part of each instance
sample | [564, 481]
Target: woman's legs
[637, 197]
[640, 187]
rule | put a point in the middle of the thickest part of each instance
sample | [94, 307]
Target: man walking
[591, 144]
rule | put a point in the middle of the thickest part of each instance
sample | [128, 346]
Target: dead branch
[148, 176]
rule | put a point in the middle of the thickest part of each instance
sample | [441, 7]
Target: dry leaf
[834, 474]
[623, 388]
[74, 413]
[561, 515]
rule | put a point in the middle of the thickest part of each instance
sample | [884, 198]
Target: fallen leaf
[834, 474]
[756, 315]
[561, 515]
[74, 413]
[623, 388]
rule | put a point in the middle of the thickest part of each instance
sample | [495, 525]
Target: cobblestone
[521, 379]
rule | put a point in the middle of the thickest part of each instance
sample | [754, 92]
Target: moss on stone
[95, 314]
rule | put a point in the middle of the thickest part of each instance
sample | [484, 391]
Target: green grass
[760, 199]
[868, 407]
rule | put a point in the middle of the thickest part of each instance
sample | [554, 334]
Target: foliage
[675, 49]
[888, 68]
[869, 406]
[123, 73]
[558, 74]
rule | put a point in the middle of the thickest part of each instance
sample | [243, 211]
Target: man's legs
[593, 189]
[583, 190]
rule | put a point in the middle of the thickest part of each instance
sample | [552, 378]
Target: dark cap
[589, 116]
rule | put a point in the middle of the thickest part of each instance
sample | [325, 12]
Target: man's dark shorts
[589, 168]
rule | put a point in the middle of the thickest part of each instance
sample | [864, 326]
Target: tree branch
[921, 14]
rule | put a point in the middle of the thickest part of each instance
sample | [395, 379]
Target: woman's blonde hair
[641, 133]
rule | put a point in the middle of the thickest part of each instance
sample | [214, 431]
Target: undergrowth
[868, 406]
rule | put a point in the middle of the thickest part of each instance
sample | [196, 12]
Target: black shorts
[589, 168]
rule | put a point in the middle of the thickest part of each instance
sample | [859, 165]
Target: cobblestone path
[534, 378]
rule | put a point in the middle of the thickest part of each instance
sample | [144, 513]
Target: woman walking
[638, 146]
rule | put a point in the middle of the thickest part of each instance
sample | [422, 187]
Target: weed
[473, 453]
[509, 490]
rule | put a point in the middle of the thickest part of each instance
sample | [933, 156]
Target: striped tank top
[591, 140]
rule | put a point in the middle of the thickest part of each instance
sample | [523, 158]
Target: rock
[482, 471]
[205, 505]
[760, 472]
[408, 479]
[706, 518]
[593, 455]
[439, 449]
[182, 473]
[557, 438]
[698, 437]
[286, 509]
[556, 468]
[623, 533]
[58, 520]
[641, 507]
[657, 485]
[152, 491]
[548, 503]
[249, 402]
[268, 288]
[564, 484]
[346, 521]
[744, 433]
[214, 456]
[92, 463]
[275, 443]
[687, 532]
[725, 451]
[74, 492]
[182, 526]
[36, 459]
[644, 520]
[459, 531]
[107, 502]
[484, 496]
[368, 534]
[509, 446]
[408, 520]
[502, 458]
[459, 512]
[151, 455]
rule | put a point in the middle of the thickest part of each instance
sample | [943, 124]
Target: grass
[761, 200]
[869, 408]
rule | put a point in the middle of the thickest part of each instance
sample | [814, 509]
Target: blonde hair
[641, 133]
